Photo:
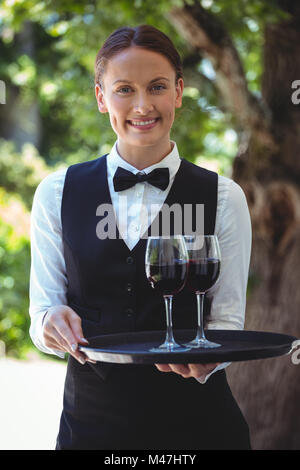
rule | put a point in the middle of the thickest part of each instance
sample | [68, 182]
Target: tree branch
[207, 35]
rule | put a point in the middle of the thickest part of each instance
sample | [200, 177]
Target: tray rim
[192, 356]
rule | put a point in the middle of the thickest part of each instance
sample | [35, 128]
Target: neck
[143, 157]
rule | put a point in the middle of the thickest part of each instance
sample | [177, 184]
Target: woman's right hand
[62, 331]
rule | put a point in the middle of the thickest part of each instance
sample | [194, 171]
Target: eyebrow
[151, 81]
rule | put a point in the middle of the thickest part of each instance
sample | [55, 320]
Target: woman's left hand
[188, 370]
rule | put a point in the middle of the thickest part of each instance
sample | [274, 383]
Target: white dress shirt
[48, 278]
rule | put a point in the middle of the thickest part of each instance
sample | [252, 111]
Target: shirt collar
[171, 161]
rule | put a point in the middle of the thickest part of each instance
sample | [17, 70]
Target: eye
[120, 90]
[155, 88]
[158, 87]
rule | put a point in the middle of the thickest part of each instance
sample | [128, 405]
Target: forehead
[138, 64]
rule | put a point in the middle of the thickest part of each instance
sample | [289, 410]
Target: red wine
[203, 274]
[169, 278]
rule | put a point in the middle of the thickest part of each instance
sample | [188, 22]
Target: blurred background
[240, 117]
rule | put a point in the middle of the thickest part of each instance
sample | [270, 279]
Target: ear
[179, 92]
[100, 99]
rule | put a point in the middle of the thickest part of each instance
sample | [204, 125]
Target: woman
[82, 285]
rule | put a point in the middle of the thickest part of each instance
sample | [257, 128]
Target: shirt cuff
[36, 334]
[204, 378]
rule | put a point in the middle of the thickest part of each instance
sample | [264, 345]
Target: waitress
[83, 285]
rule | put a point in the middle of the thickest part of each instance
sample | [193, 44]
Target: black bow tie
[124, 179]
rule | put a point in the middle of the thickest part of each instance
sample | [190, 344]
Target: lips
[143, 123]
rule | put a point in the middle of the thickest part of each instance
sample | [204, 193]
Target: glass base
[170, 347]
[202, 343]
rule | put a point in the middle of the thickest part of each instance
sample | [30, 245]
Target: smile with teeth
[143, 123]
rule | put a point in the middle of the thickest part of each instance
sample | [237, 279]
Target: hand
[188, 370]
[62, 331]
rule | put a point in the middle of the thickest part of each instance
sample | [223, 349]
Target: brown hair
[145, 36]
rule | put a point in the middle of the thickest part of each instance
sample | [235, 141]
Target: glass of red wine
[204, 269]
[166, 264]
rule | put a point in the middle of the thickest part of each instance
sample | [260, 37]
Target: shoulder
[232, 209]
[88, 165]
[81, 172]
[50, 184]
[230, 192]
[197, 169]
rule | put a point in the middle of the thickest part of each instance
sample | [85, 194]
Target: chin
[145, 142]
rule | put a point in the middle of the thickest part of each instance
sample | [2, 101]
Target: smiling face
[140, 96]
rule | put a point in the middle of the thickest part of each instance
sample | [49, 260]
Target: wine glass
[204, 269]
[166, 264]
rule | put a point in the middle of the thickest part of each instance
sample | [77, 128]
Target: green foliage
[47, 53]
[48, 50]
[20, 172]
[14, 274]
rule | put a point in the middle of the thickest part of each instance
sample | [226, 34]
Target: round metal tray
[134, 347]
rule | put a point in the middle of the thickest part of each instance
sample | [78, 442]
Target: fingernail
[84, 340]
[74, 347]
[82, 361]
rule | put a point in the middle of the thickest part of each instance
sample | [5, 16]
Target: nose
[143, 104]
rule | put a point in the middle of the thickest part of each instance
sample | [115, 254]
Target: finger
[73, 350]
[81, 357]
[57, 340]
[163, 367]
[53, 345]
[61, 345]
[181, 369]
[63, 329]
[58, 334]
[197, 370]
[75, 325]
[90, 360]
[63, 323]
[54, 340]
[212, 366]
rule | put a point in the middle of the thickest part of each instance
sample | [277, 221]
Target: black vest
[112, 406]
[107, 284]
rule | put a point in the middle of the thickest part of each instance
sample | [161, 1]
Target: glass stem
[169, 334]
[200, 305]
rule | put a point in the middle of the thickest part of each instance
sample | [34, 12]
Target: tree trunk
[268, 169]
[268, 390]
[20, 118]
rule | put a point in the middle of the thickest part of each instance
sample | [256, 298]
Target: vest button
[129, 260]
[129, 312]
[129, 287]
